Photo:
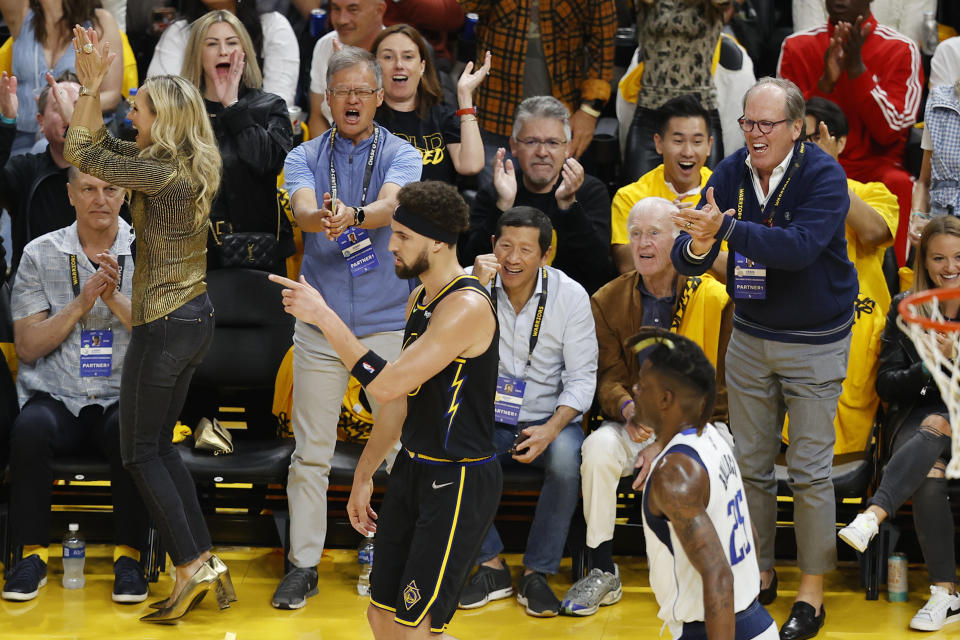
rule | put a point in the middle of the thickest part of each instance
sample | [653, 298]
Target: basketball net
[921, 319]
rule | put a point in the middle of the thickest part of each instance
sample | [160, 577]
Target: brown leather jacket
[618, 314]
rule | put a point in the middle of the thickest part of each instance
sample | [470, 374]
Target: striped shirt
[171, 234]
[577, 38]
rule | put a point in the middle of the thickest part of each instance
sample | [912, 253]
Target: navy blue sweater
[811, 285]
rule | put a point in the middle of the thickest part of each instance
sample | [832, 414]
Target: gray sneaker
[293, 591]
[598, 588]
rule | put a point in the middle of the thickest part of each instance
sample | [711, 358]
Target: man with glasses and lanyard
[780, 204]
[343, 186]
[546, 379]
[546, 176]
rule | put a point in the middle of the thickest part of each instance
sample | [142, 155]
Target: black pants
[160, 362]
[641, 153]
[45, 429]
[915, 451]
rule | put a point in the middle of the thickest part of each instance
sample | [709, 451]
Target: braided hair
[680, 360]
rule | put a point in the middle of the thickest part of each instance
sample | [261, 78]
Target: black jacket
[33, 189]
[583, 232]
[254, 136]
[902, 380]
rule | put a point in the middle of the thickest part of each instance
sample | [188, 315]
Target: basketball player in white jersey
[700, 544]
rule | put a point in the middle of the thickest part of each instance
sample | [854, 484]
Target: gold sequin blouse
[171, 234]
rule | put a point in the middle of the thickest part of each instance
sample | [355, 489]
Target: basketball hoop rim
[921, 297]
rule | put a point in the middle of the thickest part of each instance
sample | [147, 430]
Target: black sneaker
[535, 594]
[486, 584]
[129, 585]
[25, 579]
[295, 588]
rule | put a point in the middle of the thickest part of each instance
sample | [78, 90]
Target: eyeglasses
[363, 93]
[550, 143]
[765, 126]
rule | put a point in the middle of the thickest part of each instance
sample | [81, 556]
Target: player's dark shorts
[431, 524]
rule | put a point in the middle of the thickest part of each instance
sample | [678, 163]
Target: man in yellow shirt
[684, 141]
[871, 227]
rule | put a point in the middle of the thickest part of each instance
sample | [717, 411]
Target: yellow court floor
[338, 612]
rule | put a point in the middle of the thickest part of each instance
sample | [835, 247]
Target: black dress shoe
[803, 622]
[768, 595]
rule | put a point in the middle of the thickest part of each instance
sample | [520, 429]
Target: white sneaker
[941, 609]
[860, 532]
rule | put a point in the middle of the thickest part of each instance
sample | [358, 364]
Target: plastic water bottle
[74, 553]
[931, 33]
[365, 559]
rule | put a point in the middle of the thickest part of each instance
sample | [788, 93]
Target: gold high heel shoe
[226, 583]
[223, 571]
[190, 596]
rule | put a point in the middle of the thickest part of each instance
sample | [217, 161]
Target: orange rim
[928, 296]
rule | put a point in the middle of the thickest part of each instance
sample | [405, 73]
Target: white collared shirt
[775, 178]
[563, 368]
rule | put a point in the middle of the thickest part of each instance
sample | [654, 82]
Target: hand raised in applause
[702, 224]
[504, 180]
[470, 79]
[93, 58]
[8, 96]
[110, 272]
[571, 179]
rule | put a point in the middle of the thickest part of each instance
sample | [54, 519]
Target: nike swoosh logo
[440, 486]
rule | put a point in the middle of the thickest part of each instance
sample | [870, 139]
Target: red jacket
[881, 104]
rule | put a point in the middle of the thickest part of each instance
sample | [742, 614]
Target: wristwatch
[358, 216]
[87, 92]
[592, 107]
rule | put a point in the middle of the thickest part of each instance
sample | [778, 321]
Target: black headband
[424, 227]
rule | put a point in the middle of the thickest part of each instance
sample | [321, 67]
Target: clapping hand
[109, 272]
[828, 142]
[64, 99]
[572, 175]
[93, 58]
[8, 96]
[855, 35]
[702, 224]
[833, 60]
[470, 79]
[504, 180]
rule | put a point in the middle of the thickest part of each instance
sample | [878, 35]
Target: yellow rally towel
[698, 315]
[858, 402]
[355, 420]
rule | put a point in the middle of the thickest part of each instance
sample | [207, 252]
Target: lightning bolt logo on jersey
[450, 416]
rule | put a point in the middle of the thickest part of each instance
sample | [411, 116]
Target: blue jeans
[558, 498]
[160, 361]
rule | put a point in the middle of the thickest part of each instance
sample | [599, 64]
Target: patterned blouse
[677, 41]
[171, 234]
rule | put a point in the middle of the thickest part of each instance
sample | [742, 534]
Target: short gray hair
[653, 204]
[794, 107]
[350, 57]
[541, 107]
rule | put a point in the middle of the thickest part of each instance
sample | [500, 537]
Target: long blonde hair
[192, 69]
[182, 132]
